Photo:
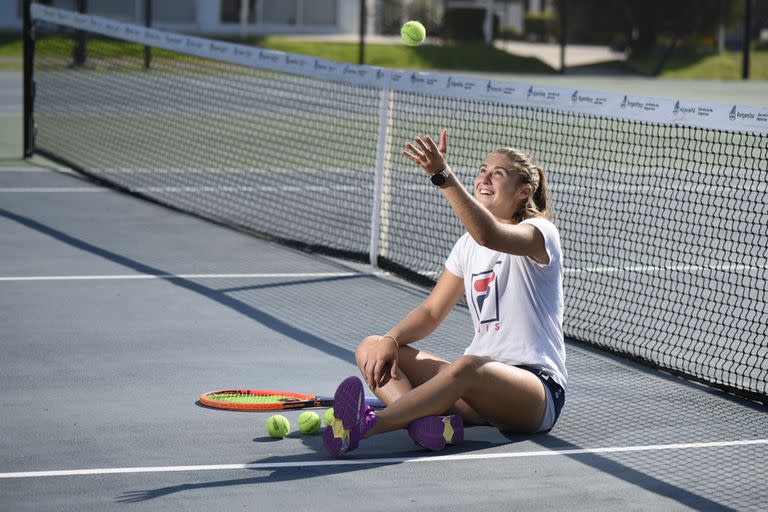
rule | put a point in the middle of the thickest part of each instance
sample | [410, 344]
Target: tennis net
[661, 203]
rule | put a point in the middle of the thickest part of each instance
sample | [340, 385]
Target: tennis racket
[266, 400]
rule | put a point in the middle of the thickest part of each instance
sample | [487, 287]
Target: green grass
[713, 67]
[464, 56]
[10, 45]
[451, 57]
[11, 51]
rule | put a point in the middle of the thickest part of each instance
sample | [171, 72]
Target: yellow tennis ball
[309, 422]
[413, 33]
[328, 417]
[278, 426]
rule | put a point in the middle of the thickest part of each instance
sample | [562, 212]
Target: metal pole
[148, 24]
[563, 33]
[79, 51]
[747, 38]
[488, 23]
[363, 23]
[244, 13]
[29, 84]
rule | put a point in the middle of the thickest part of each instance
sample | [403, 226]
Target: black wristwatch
[438, 179]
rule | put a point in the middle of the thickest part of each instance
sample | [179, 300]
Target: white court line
[298, 275]
[383, 461]
[27, 190]
[643, 269]
[22, 170]
[249, 188]
[224, 170]
[597, 270]
[200, 189]
[669, 268]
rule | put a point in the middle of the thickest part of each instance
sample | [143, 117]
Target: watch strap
[439, 178]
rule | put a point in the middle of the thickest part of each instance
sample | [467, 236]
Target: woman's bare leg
[415, 368]
[510, 398]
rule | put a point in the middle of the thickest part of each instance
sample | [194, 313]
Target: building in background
[216, 17]
[509, 13]
[222, 17]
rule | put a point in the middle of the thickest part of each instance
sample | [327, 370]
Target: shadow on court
[293, 474]
[299, 474]
[633, 476]
[219, 296]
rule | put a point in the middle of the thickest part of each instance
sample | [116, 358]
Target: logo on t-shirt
[485, 296]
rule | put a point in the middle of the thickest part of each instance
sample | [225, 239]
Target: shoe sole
[348, 404]
[434, 432]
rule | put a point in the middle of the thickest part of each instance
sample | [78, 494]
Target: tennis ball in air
[309, 422]
[328, 417]
[278, 426]
[413, 33]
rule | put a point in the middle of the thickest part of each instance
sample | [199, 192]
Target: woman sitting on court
[509, 265]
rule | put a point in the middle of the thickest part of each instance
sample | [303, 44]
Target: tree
[644, 24]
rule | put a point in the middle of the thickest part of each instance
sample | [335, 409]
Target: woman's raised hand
[428, 155]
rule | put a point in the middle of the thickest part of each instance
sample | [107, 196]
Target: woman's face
[497, 187]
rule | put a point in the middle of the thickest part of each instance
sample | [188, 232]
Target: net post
[29, 83]
[378, 178]
[148, 24]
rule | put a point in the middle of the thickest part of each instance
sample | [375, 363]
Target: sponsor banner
[591, 102]
[545, 97]
[362, 75]
[452, 86]
[268, 59]
[503, 92]
[642, 108]
[594, 103]
[298, 64]
[327, 68]
[416, 81]
[243, 55]
[746, 118]
[698, 114]
[465, 87]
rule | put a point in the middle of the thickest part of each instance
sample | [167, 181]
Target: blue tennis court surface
[115, 314]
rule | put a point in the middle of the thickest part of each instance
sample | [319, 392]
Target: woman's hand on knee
[376, 357]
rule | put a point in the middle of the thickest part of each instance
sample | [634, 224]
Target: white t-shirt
[515, 302]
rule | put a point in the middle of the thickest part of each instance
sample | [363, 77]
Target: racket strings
[250, 398]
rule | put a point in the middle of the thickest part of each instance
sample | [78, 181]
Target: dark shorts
[556, 390]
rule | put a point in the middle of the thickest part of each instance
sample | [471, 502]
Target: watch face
[437, 179]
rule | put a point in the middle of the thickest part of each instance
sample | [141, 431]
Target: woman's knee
[359, 348]
[466, 366]
[367, 339]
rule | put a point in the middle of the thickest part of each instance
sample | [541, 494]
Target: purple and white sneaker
[352, 418]
[434, 432]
